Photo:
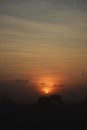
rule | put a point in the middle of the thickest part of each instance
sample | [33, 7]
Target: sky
[43, 48]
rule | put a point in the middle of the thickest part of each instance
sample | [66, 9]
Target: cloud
[43, 10]
[20, 81]
[19, 91]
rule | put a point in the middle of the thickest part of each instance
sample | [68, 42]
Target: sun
[46, 91]
[46, 85]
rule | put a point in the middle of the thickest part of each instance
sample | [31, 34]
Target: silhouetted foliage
[51, 100]
[44, 100]
[56, 99]
[48, 112]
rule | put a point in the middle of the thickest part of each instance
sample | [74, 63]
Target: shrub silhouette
[56, 99]
[44, 100]
[51, 100]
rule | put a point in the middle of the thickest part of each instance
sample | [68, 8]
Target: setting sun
[45, 84]
[46, 91]
[48, 84]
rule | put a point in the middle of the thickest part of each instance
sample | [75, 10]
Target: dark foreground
[39, 116]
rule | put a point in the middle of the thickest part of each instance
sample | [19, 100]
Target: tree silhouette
[51, 100]
[44, 100]
[56, 99]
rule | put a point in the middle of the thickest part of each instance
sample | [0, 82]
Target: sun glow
[46, 85]
[46, 91]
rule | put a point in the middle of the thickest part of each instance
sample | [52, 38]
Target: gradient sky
[44, 42]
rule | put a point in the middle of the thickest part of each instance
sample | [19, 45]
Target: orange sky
[44, 42]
